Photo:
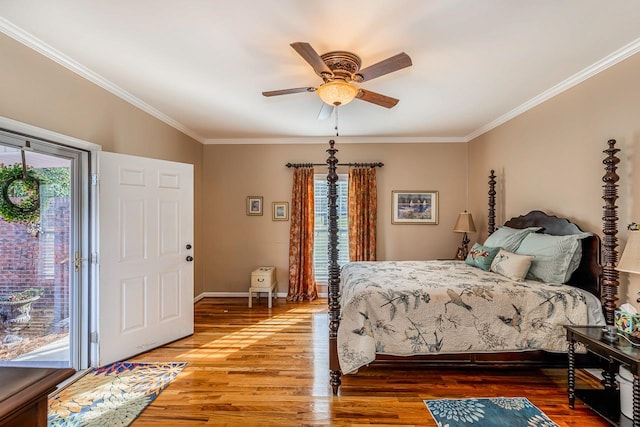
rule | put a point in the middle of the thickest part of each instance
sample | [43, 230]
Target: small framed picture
[254, 205]
[280, 211]
[414, 207]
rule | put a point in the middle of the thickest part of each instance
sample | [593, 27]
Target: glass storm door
[41, 231]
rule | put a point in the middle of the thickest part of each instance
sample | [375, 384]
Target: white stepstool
[263, 279]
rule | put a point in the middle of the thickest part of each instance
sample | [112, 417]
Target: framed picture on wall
[280, 211]
[414, 207]
[254, 205]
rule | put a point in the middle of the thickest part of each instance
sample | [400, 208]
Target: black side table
[619, 352]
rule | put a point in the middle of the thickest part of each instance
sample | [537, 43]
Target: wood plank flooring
[269, 367]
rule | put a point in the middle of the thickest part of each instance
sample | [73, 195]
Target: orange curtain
[363, 213]
[302, 283]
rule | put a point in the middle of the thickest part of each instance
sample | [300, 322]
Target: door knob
[189, 258]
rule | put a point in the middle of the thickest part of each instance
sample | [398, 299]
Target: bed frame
[596, 274]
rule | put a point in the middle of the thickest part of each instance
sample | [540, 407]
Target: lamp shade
[337, 92]
[630, 260]
[464, 224]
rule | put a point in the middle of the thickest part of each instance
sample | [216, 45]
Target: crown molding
[50, 52]
[608, 61]
[340, 139]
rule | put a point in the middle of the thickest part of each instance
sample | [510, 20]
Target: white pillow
[509, 238]
[511, 265]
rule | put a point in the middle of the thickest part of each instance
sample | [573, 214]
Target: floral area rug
[113, 395]
[489, 412]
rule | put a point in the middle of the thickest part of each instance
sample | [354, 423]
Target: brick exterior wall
[39, 262]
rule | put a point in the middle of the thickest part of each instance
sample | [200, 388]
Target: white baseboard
[240, 295]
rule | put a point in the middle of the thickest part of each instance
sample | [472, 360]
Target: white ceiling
[201, 65]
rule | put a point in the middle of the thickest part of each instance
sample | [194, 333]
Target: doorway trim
[87, 240]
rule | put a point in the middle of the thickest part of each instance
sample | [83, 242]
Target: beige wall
[237, 243]
[550, 158]
[39, 92]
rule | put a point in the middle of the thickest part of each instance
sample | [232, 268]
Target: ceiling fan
[339, 71]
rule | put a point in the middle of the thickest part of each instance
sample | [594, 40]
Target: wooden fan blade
[311, 56]
[376, 98]
[386, 66]
[325, 111]
[288, 91]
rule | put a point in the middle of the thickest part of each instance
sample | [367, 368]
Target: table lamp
[465, 225]
[630, 259]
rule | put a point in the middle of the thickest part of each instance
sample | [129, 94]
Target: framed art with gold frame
[280, 211]
[254, 205]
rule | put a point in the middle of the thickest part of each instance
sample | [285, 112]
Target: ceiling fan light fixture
[337, 92]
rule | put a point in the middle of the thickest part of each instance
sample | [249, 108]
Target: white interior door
[145, 269]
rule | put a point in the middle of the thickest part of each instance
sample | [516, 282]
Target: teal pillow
[481, 256]
[556, 257]
[509, 238]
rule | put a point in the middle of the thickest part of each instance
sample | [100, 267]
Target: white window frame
[320, 250]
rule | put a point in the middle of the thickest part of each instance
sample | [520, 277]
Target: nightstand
[620, 352]
[263, 279]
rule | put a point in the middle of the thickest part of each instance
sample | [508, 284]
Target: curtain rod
[357, 165]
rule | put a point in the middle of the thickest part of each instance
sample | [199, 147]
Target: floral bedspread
[419, 307]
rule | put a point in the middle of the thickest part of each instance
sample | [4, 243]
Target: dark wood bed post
[334, 269]
[610, 229]
[492, 202]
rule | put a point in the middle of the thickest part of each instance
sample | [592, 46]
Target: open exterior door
[145, 296]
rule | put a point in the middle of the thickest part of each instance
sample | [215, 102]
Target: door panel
[170, 296]
[146, 282]
[133, 304]
[170, 225]
[132, 236]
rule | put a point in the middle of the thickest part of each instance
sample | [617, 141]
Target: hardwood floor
[269, 367]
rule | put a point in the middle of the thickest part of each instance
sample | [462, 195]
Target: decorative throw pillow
[481, 256]
[509, 238]
[511, 265]
[556, 257]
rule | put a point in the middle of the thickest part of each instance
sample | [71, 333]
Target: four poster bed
[455, 313]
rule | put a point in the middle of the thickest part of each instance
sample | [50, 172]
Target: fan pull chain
[336, 128]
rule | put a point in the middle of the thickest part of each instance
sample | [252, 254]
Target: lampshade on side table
[465, 225]
[630, 259]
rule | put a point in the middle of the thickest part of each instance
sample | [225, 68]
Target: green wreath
[19, 194]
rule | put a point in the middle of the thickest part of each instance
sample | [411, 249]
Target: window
[321, 228]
